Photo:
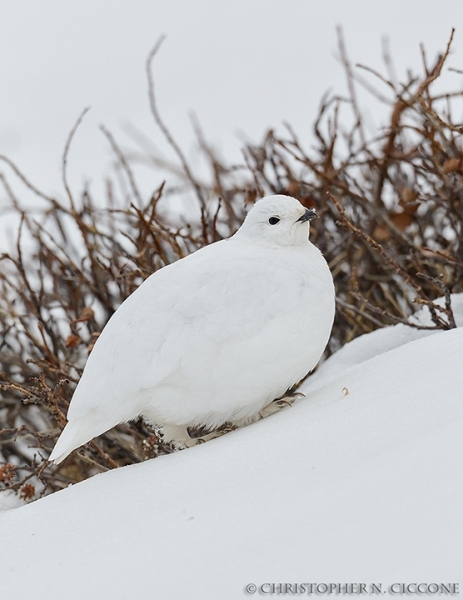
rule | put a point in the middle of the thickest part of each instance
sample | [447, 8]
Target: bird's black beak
[308, 215]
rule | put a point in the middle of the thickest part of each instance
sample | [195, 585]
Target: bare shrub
[391, 218]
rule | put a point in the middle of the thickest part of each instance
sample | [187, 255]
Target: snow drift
[358, 482]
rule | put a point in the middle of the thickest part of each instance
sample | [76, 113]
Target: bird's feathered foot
[177, 435]
[267, 411]
[184, 437]
[278, 404]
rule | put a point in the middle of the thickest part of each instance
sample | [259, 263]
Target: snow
[363, 487]
[382, 340]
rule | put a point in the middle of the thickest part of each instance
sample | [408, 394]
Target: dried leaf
[408, 201]
[72, 341]
[402, 220]
[381, 233]
[27, 492]
[7, 472]
[451, 165]
[87, 313]
[408, 196]
[93, 339]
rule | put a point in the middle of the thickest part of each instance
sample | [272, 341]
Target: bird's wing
[216, 296]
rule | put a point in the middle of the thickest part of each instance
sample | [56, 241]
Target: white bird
[213, 338]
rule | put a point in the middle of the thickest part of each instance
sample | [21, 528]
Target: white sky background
[240, 66]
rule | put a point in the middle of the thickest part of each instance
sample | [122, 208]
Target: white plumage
[214, 337]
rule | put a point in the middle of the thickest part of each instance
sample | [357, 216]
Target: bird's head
[277, 221]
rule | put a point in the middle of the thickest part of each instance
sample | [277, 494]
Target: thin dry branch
[123, 160]
[162, 126]
[65, 157]
[24, 179]
[373, 244]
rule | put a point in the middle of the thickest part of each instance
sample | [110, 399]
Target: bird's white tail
[74, 435]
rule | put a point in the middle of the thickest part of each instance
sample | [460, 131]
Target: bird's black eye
[274, 220]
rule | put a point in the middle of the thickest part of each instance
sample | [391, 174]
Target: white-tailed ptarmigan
[213, 338]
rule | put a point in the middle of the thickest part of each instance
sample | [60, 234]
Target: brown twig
[160, 123]
[67, 147]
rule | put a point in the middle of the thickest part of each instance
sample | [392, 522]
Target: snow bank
[364, 487]
[380, 341]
